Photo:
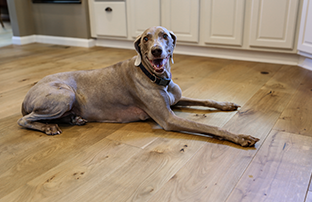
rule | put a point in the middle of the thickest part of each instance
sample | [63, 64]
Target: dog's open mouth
[159, 64]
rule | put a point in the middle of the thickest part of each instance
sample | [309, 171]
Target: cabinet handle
[108, 9]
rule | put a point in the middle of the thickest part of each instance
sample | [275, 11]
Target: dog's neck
[163, 79]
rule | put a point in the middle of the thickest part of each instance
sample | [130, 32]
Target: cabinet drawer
[110, 18]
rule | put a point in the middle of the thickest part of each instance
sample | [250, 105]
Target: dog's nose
[156, 51]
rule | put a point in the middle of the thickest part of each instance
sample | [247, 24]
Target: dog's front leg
[157, 106]
[175, 123]
[224, 106]
[169, 121]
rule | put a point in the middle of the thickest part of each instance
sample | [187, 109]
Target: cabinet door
[305, 34]
[223, 21]
[110, 18]
[181, 17]
[143, 14]
[273, 23]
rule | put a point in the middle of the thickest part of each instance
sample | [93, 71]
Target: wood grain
[280, 171]
[140, 161]
[34, 153]
[236, 82]
[224, 177]
[138, 134]
[141, 176]
[79, 171]
[208, 176]
[267, 104]
[296, 118]
[11, 101]
[183, 69]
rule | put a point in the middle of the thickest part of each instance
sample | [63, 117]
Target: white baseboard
[23, 40]
[66, 41]
[111, 43]
[233, 54]
[305, 63]
[305, 60]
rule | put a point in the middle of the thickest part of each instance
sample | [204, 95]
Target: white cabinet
[305, 33]
[256, 24]
[143, 14]
[109, 18]
[273, 23]
[223, 21]
[181, 17]
[261, 25]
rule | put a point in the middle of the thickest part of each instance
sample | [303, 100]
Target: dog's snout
[156, 51]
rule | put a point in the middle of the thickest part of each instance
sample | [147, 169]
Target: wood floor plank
[90, 166]
[296, 118]
[189, 70]
[260, 113]
[207, 176]
[34, 153]
[31, 69]
[26, 76]
[48, 54]
[264, 111]
[239, 74]
[280, 171]
[15, 52]
[236, 82]
[14, 141]
[138, 134]
[143, 174]
[11, 101]
[99, 56]
[145, 162]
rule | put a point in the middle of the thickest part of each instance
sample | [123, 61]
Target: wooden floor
[140, 161]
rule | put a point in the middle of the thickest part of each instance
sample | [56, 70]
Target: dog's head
[155, 48]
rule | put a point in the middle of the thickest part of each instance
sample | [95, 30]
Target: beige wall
[21, 17]
[65, 20]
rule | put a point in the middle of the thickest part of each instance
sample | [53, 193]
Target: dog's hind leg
[224, 106]
[31, 121]
[38, 109]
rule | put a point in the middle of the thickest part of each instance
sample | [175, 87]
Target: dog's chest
[130, 114]
[117, 114]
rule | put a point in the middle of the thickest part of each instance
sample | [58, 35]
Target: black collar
[154, 78]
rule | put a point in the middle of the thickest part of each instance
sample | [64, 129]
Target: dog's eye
[165, 36]
[145, 39]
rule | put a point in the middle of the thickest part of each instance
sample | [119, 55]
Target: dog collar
[154, 78]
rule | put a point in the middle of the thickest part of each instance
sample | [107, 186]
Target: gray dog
[132, 90]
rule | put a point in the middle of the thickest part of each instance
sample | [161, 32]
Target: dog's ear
[138, 50]
[174, 37]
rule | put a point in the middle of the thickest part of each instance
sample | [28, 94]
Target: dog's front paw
[229, 106]
[247, 140]
[51, 129]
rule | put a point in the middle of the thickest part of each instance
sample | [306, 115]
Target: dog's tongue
[158, 64]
